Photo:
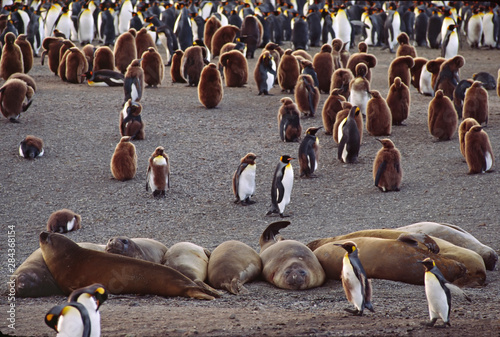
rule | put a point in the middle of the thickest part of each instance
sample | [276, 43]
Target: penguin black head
[451, 27]
[96, 290]
[52, 316]
[349, 246]
[354, 111]
[249, 158]
[428, 263]
[286, 159]
[312, 130]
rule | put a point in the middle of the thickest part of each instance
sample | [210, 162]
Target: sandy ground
[79, 125]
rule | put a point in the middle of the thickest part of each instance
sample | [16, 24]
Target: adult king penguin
[349, 138]
[244, 180]
[282, 185]
[308, 153]
[69, 319]
[357, 287]
[91, 297]
[265, 72]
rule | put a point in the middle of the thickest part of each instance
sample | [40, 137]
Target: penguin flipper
[380, 171]
[148, 177]
[342, 144]
[281, 191]
[236, 180]
[283, 126]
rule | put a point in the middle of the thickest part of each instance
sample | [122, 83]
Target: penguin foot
[354, 312]
[13, 120]
[247, 202]
[284, 216]
[431, 323]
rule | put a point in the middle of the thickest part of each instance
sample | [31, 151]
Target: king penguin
[133, 84]
[449, 47]
[244, 180]
[124, 160]
[85, 26]
[31, 147]
[387, 172]
[357, 287]
[349, 138]
[91, 297]
[309, 153]
[69, 319]
[265, 72]
[131, 123]
[282, 185]
[437, 293]
[478, 151]
[158, 174]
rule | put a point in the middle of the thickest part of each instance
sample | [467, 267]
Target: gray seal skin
[457, 236]
[138, 248]
[288, 264]
[33, 278]
[231, 265]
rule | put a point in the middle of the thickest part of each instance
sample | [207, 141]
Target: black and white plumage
[281, 186]
[133, 84]
[357, 287]
[104, 78]
[308, 153]
[69, 320]
[349, 138]
[244, 180]
[31, 147]
[91, 297]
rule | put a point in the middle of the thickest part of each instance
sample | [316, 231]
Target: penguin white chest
[94, 315]
[246, 186]
[351, 284]
[436, 297]
[271, 78]
[70, 324]
[360, 98]
[287, 182]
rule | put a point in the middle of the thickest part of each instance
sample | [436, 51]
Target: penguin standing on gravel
[265, 72]
[282, 185]
[308, 153]
[357, 287]
[69, 319]
[91, 297]
[244, 180]
[131, 123]
[133, 85]
[349, 138]
[158, 174]
[387, 172]
[437, 293]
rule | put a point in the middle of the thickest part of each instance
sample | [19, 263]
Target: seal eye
[125, 241]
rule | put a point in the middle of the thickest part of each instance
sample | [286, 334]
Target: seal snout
[296, 277]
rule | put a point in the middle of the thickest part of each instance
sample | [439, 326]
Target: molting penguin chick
[398, 100]
[357, 287]
[153, 67]
[442, 117]
[288, 72]
[476, 103]
[378, 115]
[69, 319]
[235, 68]
[282, 185]
[349, 137]
[359, 88]
[244, 180]
[331, 107]
[12, 57]
[158, 174]
[63, 221]
[124, 160]
[192, 63]
[464, 127]
[449, 76]
[306, 95]
[210, 89]
[133, 84]
[91, 297]
[265, 72]
[459, 95]
[387, 171]
[309, 153]
[289, 121]
[478, 151]
[15, 97]
[341, 78]
[131, 123]
[31, 147]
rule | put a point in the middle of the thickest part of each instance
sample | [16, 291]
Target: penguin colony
[131, 58]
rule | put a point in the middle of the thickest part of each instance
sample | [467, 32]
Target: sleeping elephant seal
[33, 279]
[191, 260]
[388, 259]
[74, 267]
[231, 265]
[288, 264]
[475, 270]
[138, 248]
[457, 236]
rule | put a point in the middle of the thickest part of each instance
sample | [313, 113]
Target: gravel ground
[79, 125]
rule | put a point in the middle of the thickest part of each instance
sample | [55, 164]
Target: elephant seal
[33, 279]
[231, 265]
[191, 260]
[457, 236]
[74, 267]
[288, 264]
[138, 248]
[389, 259]
[475, 268]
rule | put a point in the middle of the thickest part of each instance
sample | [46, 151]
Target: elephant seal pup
[456, 236]
[33, 279]
[388, 259]
[138, 248]
[74, 267]
[231, 265]
[191, 260]
[288, 264]
[475, 269]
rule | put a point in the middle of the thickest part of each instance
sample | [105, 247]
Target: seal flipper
[414, 239]
[272, 231]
